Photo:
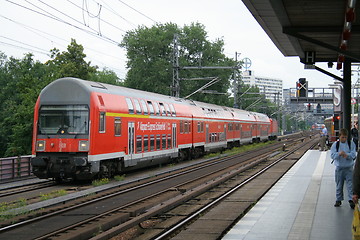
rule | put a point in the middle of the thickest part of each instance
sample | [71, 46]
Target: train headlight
[83, 146]
[40, 146]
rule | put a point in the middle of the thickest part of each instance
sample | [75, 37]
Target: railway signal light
[301, 87]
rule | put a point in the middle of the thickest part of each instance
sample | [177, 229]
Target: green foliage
[53, 194]
[241, 149]
[105, 76]
[149, 53]
[5, 206]
[71, 63]
[21, 82]
[99, 182]
[251, 99]
[119, 177]
[150, 60]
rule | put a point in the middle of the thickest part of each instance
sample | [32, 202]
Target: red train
[84, 129]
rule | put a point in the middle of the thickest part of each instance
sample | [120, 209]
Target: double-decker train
[84, 130]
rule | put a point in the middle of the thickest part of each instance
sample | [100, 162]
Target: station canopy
[327, 27]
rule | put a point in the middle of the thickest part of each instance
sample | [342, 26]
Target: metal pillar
[347, 96]
[175, 88]
[236, 84]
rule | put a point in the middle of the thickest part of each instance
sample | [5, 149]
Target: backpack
[338, 144]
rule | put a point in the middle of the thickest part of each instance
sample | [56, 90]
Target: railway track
[22, 188]
[131, 205]
[212, 214]
[221, 202]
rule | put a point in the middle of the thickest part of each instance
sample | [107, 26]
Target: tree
[22, 81]
[70, 63]
[150, 60]
[105, 76]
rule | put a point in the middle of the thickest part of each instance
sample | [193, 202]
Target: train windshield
[64, 119]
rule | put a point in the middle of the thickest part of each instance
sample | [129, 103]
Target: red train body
[86, 129]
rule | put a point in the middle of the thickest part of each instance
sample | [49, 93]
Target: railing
[318, 95]
[15, 167]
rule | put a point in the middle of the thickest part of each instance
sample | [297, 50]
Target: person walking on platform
[355, 135]
[343, 154]
[323, 136]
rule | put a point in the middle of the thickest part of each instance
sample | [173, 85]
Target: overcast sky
[98, 25]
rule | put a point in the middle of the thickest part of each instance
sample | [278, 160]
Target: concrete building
[270, 87]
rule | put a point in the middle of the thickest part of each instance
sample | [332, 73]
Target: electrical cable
[110, 9]
[23, 43]
[137, 11]
[100, 18]
[20, 47]
[72, 25]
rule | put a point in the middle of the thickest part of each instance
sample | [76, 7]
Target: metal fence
[15, 167]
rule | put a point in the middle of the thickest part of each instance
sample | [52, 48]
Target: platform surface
[299, 206]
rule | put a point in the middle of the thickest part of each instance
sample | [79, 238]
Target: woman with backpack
[343, 154]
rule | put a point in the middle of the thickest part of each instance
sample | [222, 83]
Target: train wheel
[184, 154]
[58, 180]
[197, 153]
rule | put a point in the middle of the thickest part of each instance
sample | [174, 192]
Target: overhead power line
[110, 9]
[25, 48]
[95, 16]
[43, 33]
[35, 31]
[39, 49]
[65, 22]
[137, 11]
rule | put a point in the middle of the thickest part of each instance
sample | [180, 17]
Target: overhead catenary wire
[110, 9]
[25, 48]
[49, 10]
[85, 5]
[101, 20]
[65, 22]
[34, 30]
[137, 11]
[96, 31]
[34, 47]
[42, 35]
[213, 81]
[254, 103]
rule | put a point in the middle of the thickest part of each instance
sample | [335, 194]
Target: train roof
[70, 90]
[58, 91]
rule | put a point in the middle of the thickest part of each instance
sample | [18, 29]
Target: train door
[131, 142]
[240, 131]
[174, 138]
[259, 131]
[207, 134]
[192, 130]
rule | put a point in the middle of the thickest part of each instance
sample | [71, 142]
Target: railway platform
[299, 206]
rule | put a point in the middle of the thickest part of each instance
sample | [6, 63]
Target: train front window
[64, 119]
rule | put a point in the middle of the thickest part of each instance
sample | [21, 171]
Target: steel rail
[222, 197]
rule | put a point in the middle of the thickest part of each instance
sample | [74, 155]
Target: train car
[84, 129]
[274, 129]
[332, 125]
